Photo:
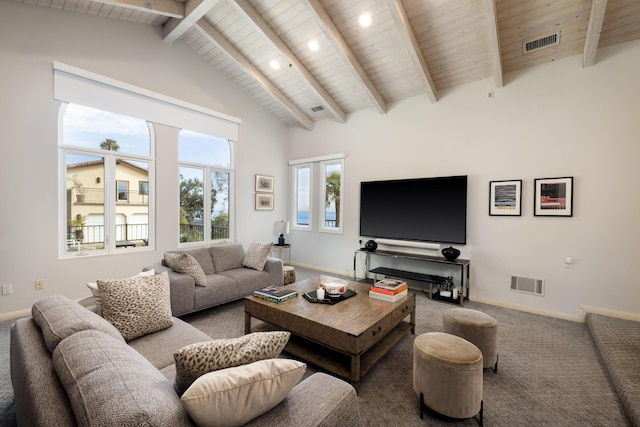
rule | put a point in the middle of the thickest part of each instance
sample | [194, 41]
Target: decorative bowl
[335, 287]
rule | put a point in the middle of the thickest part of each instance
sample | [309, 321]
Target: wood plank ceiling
[412, 47]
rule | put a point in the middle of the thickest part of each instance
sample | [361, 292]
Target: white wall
[31, 38]
[554, 120]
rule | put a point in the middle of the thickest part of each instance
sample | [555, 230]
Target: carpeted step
[618, 341]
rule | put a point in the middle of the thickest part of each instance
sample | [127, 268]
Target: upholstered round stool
[447, 375]
[476, 327]
[289, 274]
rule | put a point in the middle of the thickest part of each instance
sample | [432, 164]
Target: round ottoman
[289, 274]
[447, 375]
[476, 327]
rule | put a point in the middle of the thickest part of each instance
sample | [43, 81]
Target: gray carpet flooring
[550, 371]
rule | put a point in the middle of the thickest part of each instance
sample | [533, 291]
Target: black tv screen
[422, 209]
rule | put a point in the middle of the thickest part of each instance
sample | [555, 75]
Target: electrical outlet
[6, 289]
[39, 284]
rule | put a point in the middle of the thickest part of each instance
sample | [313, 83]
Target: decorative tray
[312, 297]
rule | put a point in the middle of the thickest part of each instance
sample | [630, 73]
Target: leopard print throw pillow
[195, 360]
[137, 306]
[256, 256]
[186, 264]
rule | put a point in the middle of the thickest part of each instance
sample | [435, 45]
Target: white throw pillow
[93, 287]
[235, 396]
[137, 306]
[256, 255]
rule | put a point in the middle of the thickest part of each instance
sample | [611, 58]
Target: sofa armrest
[39, 396]
[157, 268]
[338, 405]
[273, 266]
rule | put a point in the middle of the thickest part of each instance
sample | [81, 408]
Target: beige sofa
[69, 365]
[227, 279]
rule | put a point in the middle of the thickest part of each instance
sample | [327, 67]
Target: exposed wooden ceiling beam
[494, 41]
[596, 19]
[327, 26]
[411, 43]
[261, 25]
[193, 10]
[170, 8]
[216, 38]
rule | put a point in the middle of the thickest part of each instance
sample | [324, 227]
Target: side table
[280, 248]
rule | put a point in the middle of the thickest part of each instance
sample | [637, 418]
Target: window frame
[322, 223]
[110, 193]
[208, 170]
[296, 197]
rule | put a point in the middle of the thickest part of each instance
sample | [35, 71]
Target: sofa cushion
[138, 305]
[256, 255]
[93, 287]
[203, 256]
[195, 360]
[186, 264]
[109, 383]
[59, 317]
[227, 256]
[235, 396]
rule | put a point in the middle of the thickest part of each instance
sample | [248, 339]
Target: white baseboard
[527, 309]
[15, 315]
[87, 302]
[585, 309]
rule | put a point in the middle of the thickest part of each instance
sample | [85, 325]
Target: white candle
[320, 293]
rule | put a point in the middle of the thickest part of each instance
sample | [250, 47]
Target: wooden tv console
[432, 280]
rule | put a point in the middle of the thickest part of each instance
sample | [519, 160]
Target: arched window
[108, 165]
[206, 178]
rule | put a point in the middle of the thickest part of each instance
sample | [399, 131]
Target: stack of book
[275, 294]
[389, 290]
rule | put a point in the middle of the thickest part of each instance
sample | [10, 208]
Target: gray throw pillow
[186, 264]
[195, 360]
[137, 306]
[256, 256]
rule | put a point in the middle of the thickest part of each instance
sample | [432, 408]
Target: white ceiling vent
[527, 285]
[317, 109]
[541, 42]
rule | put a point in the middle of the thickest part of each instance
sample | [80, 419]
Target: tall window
[330, 196]
[105, 155]
[302, 197]
[205, 187]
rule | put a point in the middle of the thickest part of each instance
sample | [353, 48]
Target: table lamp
[282, 228]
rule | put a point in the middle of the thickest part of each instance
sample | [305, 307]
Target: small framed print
[264, 183]
[553, 197]
[264, 202]
[505, 198]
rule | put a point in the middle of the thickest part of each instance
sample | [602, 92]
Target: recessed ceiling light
[365, 20]
[314, 45]
[275, 64]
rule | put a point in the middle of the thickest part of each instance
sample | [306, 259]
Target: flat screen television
[422, 209]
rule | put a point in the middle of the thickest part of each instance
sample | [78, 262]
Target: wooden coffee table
[346, 338]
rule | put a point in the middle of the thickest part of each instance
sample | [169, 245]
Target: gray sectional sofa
[70, 366]
[227, 279]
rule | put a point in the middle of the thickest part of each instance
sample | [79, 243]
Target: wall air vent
[317, 109]
[541, 42]
[527, 285]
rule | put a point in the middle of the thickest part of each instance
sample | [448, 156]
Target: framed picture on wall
[264, 183]
[264, 202]
[553, 197]
[505, 198]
